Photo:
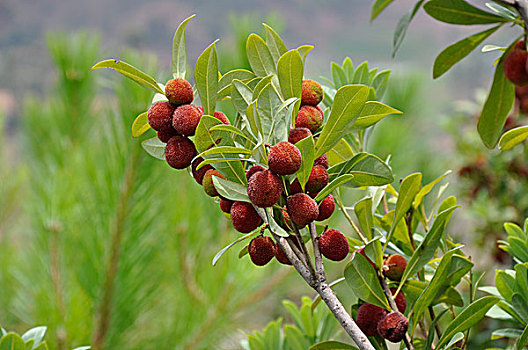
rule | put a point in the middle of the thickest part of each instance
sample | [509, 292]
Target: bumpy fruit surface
[326, 208]
[367, 318]
[264, 189]
[318, 179]
[322, 161]
[159, 116]
[284, 158]
[165, 136]
[312, 93]
[400, 300]
[244, 217]
[179, 91]
[295, 187]
[208, 184]
[179, 152]
[393, 327]
[309, 117]
[302, 209]
[515, 66]
[333, 245]
[297, 134]
[225, 205]
[199, 174]
[221, 116]
[394, 266]
[261, 250]
[185, 119]
[253, 170]
[281, 256]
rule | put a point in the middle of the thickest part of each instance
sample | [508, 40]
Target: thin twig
[305, 254]
[349, 219]
[319, 267]
[433, 316]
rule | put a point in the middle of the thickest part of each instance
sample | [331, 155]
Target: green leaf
[496, 108]
[279, 231]
[348, 102]
[332, 345]
[490, 48]
[368, 170]
[131, 72]
[459, 12]
[506, 333]
[225, 82]
[179, 50]
[12, 341]
[37, 334]
[341, 152]
[268, 103]
[232, 129]
[425, 251]
[206, 78]
[306, 146]
[225, 150]
[467, 318]
[339, 76]
[259, 56]
[380, 83]
[457, 51]
[427, 188]
[513, 137]
[372, 113]
[241, 96]
[44, 346]
[361, 74]
[304, 50]
[294, 339]
[226, 248]
[377, 7]
[363, 280]
[363, 210]
[501, 10]
[523, 339]
[230, 190]
[401, 27]
[154, 147]
[290, 74]
[275, 44]
[409, 188]
[505, 284]
[338, 181]
[140, 125]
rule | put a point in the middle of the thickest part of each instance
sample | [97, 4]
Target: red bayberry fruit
[367, 318]
[400, 300]
[322, 161]
[393, 327]
[326, 208]
[333, 245]
[302, 209]
[281, 256]
[261, 250]
[312, 93]
[394, 266]
[254, 169]
[225, 205]
[208, 184]
[159, 116]
[295, 187]
[185, 119]
[309, 117]
[198, 174]
[179, 152]
[318, 179]
[165, 136]
[297, 134]
[284, 158]
[244, 217]
[515, 66]
[264, 189]
[179, 91]
[222, 117]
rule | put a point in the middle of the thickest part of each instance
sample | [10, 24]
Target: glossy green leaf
[368, 170]
[340, 153]
[206, 78]
[363, 280]
[328, 189]
[179, 50]
[232, 129]
[225, 82]
[403, 24]
[380, 83]
[12, 341]
[409, 188]
[154, 147]
[259, 56]
[290, 74]
[131, 72]
[230, 190]
[459, 12]
[338, 75]
[275, 44]
[361, 74]
[521, 280]
[496, 108]
[348, 102]
[377, 7]
[140, 125]
[523, 339]
[372, 113]
[513, 137]
[363, 210]
[467, 318]
[332, 345]
[502, 11]
[37, 334]
[241, 96]
[44, 346]
[505, 284]
[226, 248]
[427, 188]
[304, 50]
[307, 148]
[294, 339]
[276, 228]
[457, 51]
[268, 103]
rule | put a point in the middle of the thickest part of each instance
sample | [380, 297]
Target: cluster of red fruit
[374, 320]
[516, 64]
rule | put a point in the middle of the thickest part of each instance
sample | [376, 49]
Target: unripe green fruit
[159, 116]
[367, 318]
[394, 266]
[244, 217]
[333, 245]
[264, 189]
[393, 327]
[284, 158]
[312, 93]
[179, 152]
[179, 91]
[302, 209]
[208, 184]
[261, 250]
